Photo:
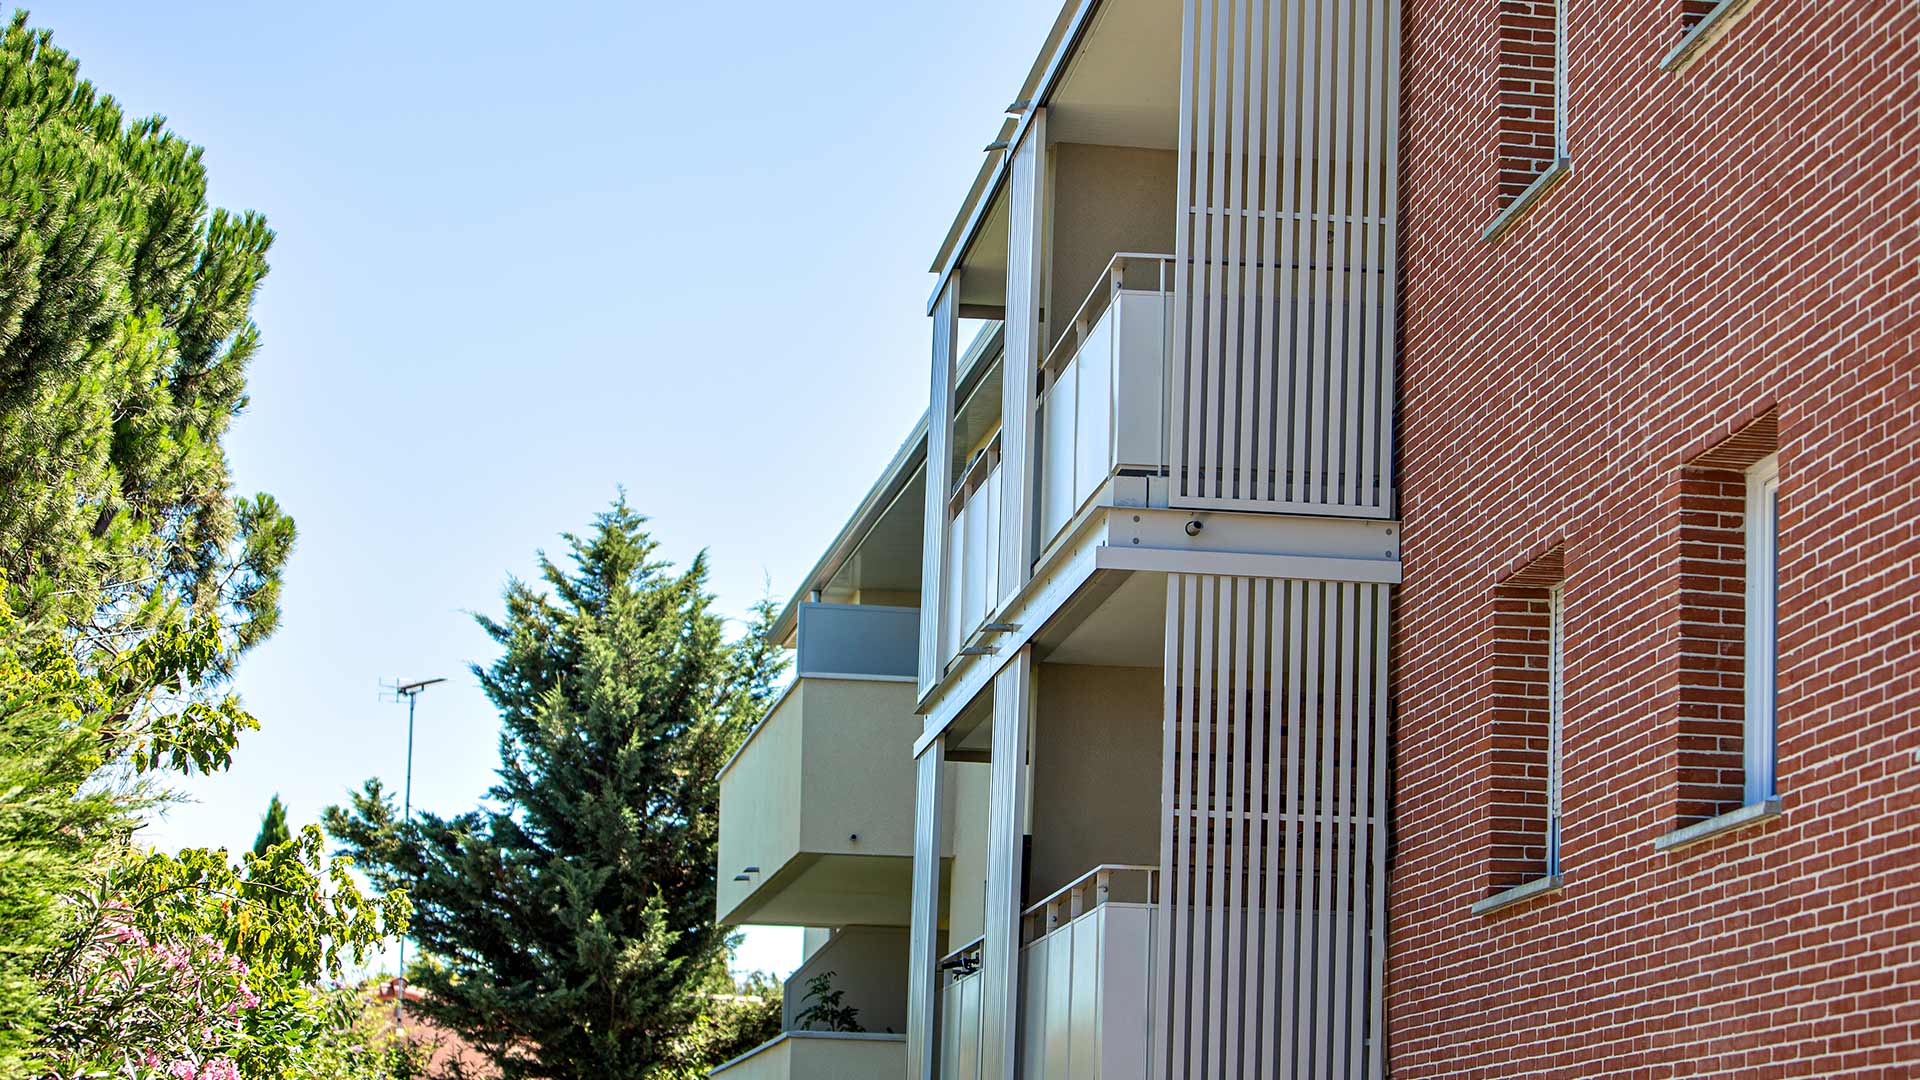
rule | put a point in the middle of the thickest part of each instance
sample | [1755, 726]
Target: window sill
[1711, 28]
[1750, 814]
[1540, 886]
[1562, 167]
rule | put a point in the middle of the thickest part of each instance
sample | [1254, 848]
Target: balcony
[816, 807]
[821, 1055]
[960, 1013]
[1101, 410]
[973, 550]
[1085, 984]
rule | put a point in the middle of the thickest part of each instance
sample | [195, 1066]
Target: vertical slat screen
[1282, 371]
[1021, 357]
[939, 479]
[1273, 831]
[924, 935]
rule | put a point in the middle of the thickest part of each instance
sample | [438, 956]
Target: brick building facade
[1720, 269]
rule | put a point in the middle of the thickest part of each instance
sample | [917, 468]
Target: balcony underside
[813, 889]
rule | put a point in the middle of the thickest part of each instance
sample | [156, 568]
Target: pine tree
[273, 827]
[571, 921]
[124, 342]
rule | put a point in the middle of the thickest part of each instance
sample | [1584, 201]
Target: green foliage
[572, 920]
[124, 340]
[52, 828]
[734, 1017]
[66, 732]
[273, 827]
[131, 579]
[824, 1007]
[193, 958]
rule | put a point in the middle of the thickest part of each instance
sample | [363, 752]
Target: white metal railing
[973, 550]
[1083, 894]
[1086, 977]
[1100, 406]
[960, 1012]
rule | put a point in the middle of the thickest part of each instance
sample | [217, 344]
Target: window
[1725, 531]
[1762, 565]
[1525, 653]
[1531, 95]
[1556, 636]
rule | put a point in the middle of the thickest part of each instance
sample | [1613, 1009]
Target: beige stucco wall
[1106, 199]
[869, 963]
[830, 773]
[967, 880]
[760, 803]
[823, 1056]
[857, 767]
[1096, 791]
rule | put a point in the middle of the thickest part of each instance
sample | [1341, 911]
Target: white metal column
[923, 976]
[933, 555]
[1006, 830]
[1026, 252]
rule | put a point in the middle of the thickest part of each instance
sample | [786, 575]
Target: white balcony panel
[1093, 420]
[973, 554]
[1059, 494]
[960, 1028]
[978, 582]
[1103, 410]
[1087, 987]
[955, 592]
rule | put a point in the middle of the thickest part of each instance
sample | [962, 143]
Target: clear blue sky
[528, 254]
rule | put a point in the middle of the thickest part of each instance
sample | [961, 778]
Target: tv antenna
[411, 692]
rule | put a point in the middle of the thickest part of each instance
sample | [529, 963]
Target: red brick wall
[1526, 92]
[1734, 239]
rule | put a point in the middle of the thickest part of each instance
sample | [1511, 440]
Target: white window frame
[1560, 81]
[1556, 637]
[1762, 526]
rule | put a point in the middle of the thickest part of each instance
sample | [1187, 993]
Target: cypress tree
[273, 827]
[569, 925]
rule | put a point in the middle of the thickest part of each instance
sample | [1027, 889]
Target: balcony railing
[1086, 977]
[1101, 405]
[1085, 983]
[973, 549]
[960, 1013]
[861, 641]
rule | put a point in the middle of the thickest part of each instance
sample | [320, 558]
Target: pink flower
[152, 1060]
[219, 1069]
[181, 1070]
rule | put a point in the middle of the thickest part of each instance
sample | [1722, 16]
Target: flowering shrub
[190, 968]
[137, 1005]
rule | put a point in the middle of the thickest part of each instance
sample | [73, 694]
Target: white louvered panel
[934, 629]
[1282, 366]
[1021, 357]
[1273, 843]
[924, 935]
